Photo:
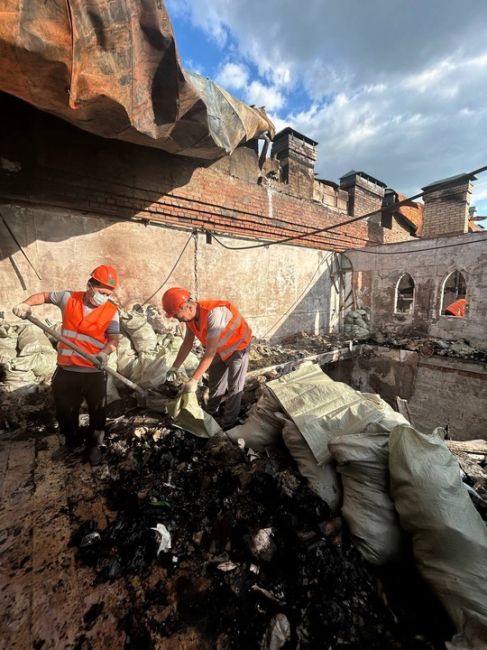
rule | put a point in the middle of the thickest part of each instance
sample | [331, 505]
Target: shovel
[90, 357]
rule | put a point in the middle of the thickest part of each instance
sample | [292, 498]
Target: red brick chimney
[365, 193]
[297, 156]
[446, 205]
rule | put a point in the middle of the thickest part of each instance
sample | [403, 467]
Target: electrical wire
[382, 210]
[338, 237]
[171, 271]
[415, 250]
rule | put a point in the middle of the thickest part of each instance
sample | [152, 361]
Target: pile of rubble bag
[394, 486]
[144, 355]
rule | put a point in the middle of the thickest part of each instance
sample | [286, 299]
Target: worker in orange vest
[225, 335]
[457, 308]
[91, 322]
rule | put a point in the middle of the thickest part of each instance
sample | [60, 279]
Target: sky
[395, 88]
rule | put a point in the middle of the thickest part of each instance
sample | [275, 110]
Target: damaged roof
[113, 69]
[412, 212]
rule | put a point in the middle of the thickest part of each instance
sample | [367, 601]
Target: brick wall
[446, 209]
[59, 165]
[365, 194]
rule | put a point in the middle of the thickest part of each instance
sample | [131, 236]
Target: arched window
[453, 300]
[405, 295]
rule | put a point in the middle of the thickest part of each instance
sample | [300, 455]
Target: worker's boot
[96, 450]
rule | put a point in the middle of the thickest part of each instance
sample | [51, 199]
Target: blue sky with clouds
[397, 88]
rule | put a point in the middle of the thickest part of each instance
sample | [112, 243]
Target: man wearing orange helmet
[91, 322]
[225, 334]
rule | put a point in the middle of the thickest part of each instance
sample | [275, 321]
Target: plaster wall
[280, 289]
[429, 262]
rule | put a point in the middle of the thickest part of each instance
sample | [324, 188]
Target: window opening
[454, 296]
[405, 295]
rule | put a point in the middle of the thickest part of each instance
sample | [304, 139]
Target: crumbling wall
[74, 200]
[278, 298]
[429, 262]
[440, 392]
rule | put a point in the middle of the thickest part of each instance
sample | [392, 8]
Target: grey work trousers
[227, 377]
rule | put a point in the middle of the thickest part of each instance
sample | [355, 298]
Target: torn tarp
[112, 68]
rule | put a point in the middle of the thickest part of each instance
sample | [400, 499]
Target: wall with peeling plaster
[280, 289]
[440, 391]
[376, 275]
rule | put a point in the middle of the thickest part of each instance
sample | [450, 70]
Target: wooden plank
[321, 358]
[468, 446]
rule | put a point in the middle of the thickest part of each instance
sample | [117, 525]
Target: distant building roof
[289, 131]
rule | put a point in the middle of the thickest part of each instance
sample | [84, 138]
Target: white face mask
[99, 298]
[95, 297]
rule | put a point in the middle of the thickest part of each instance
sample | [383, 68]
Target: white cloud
[396, 89]
[262, 95]
[234, 76]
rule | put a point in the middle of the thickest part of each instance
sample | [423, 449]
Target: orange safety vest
[457, 308]
[87, 332]
[235, 336]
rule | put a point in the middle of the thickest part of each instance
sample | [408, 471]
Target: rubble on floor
[429, 346]
[217, 547]
[250, 545]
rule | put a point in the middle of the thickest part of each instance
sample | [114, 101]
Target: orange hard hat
[173, 299]
[106, 275]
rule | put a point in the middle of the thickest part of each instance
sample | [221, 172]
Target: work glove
[189, 387]
[172, 375]
[22, 310]
[102, 358]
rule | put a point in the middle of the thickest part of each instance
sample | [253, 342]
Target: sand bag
[18, 380]
[168, 345]
[322, 408]
[363, 463]
[135, 326]
[148, 371]
[33, 340]
[188, 414]
[448, 535]
[126, 355]
[322, 479]
[42, 364]
[8, 341]
[263, 426]
[111, 388]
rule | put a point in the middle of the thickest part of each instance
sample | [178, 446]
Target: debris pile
[356, 325]
[222, 549]
[428, 346]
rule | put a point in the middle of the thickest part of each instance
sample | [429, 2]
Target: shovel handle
[86, 355]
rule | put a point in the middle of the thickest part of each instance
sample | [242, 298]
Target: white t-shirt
[218, 319]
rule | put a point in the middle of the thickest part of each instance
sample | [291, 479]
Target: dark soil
[213, 501]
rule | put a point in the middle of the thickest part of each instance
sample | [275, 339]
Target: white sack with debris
[363, 463]
[322, 479]
[449, 537]
[8, 341]
[188, 414]
[323, 409]
[263, 426]
[126, 355]
[32, 340]
[140, 332]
